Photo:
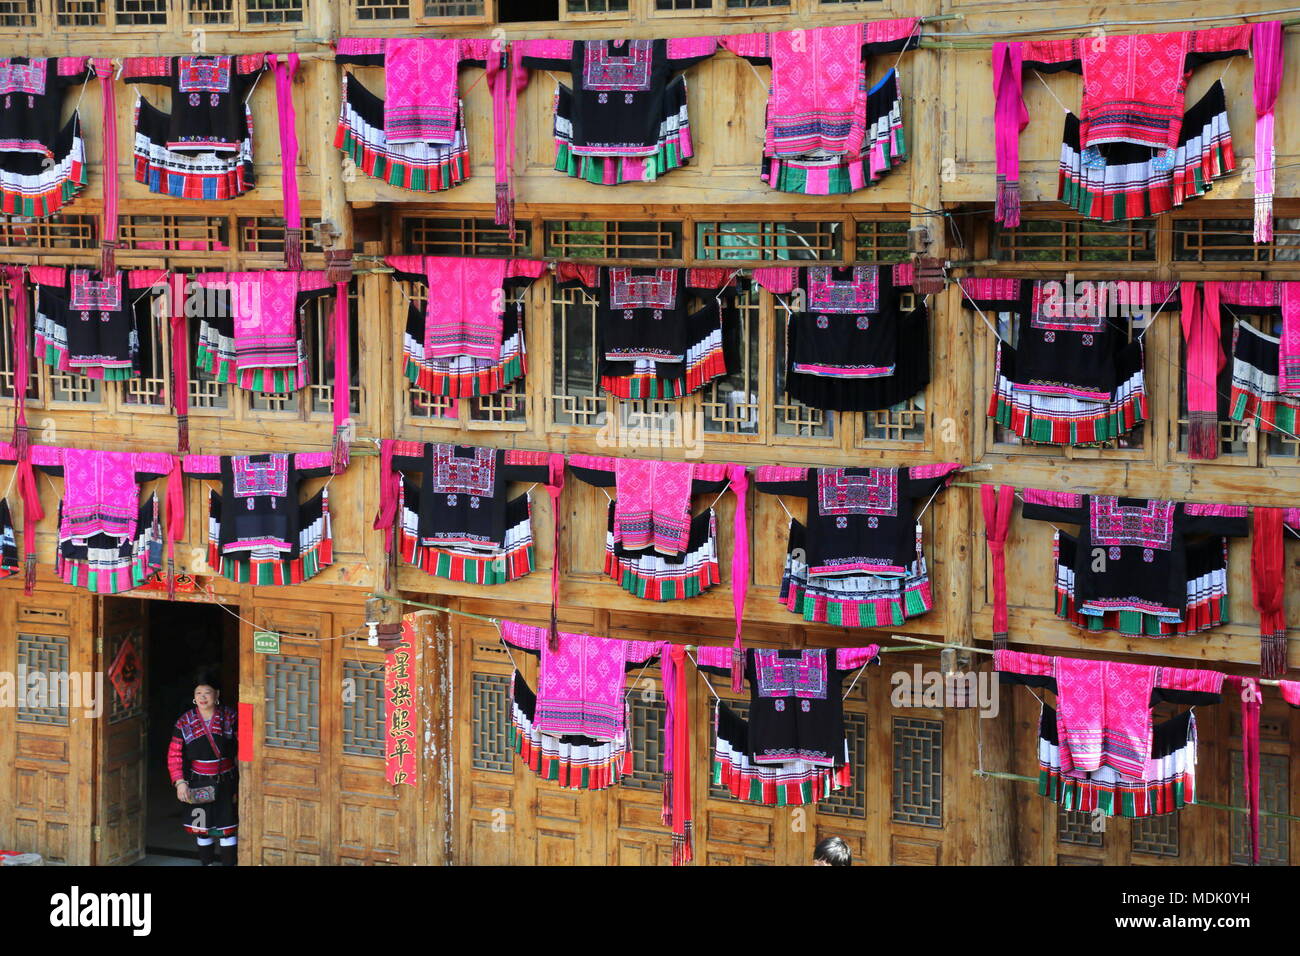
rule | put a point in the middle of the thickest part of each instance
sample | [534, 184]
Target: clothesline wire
[1253, 16]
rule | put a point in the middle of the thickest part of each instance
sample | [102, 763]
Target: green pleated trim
[397, 173]
[509, 372]
[592, 168]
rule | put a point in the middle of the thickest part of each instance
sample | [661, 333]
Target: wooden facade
[72, 786]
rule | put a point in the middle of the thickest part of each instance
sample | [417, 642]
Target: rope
[1051, 91]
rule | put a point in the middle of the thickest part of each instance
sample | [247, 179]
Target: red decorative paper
[245, 732]
[126, 673]
[400, 714]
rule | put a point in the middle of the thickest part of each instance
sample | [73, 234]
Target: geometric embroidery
[23, 77]
[202, 74]
[628, 291]
[90, 295]
[453, 474]
[873, 493]
[854, 296]
[1140, 526]
[1054, 312]
[255, 479]
[603, 70]
[802, 676]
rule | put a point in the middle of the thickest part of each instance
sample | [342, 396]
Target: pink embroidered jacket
[100, 488]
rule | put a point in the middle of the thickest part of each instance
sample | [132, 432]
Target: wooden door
[47, 741]
[121, 729]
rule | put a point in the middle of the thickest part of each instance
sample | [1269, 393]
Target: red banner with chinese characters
[400, 718]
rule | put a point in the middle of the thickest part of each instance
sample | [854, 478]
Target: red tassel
[171, 580]
[553, 639]
[503, 212]
[1202, 435]
[22, 441]
[183, 434]
[341, 454]
[1272, 655]
[29, 574]
[667, 813]
[293, 249]
[737, 669]
[108, 258]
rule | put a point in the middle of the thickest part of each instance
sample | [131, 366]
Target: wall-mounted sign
[266, 642]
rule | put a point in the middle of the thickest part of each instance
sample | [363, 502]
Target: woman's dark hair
[834, 852]
[208, 677]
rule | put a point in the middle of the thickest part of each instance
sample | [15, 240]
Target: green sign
[266, 642]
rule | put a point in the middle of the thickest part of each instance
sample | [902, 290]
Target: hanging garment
[625, 118]
[1072, 377]
[9, 563]
[414, 137]
[1134, 149]
[1265, 368]
[99, 328]
[649, 342]
[659, 577]
[202, 753]
[258, 531]
[792, 750]
[574, 761]
[1104, 707]
[203, 148]
[857, 562]
[1149, 577]
[108, 541]
[1268, 584]
[249, 330]
[826, 133]
[469, 339]
[459, 523]
[849, 346]
[1168, 783]
[42, 160]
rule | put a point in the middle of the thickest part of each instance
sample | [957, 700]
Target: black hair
[208, 677]
[834, 852]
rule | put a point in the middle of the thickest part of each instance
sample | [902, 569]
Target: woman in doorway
[201, 761]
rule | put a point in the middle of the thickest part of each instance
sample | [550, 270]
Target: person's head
[832, 852]
[207, 689]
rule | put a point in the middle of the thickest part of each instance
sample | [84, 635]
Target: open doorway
[181, 639]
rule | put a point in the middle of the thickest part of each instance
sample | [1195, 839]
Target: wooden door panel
[120, 739]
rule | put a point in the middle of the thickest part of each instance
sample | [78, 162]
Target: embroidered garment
[100, 488]
[857, 561]
[795, 724]
[574, 761]
[9, 563]
[825, 132]
[625, 117]
[581, 684]
[1104, 707]
[515, 558]
[42, 160]
[100, 328]
[849, 346]
[107, 564]
[1265, 368]
[249, 330]
[1145, 578]
[203, 754]
[414, 137]
[1133, 100]
[649, 343]
[658, 577]
[1072, 376]
[258, 530]
[461, 376]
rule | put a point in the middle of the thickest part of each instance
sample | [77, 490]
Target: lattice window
[292, 702]
[918, 771]
[768, 241]
[381, 10]
[1275, 797]
[264, 235]
[613, 239]
[363, 709]
[81, 13]
[852, 801]
[318, 319]
[588, 7]
[1074, 828]
[755, 4]
[1233, 240]
[902, 422]
[490, 723]
[141, 13]
[70, 388]
[117, 711]
[576, 397]
[150, 389]
[730, 405]
[7, 354]
[1077, 240]
[272, 12]
[18, 14]
[683, 5]
[175, 233]
[793, 418]
[44, 656]
[210, 13]
[1156, 836]
[1232, 435]
[645, 740]
[436, 9]
[880, 240]
[61, 232]
[422, 235]
[506, 407]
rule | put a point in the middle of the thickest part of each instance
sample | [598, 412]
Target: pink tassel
[293, 249]
[22, 440]
[108, 258]
[1007, 208]
[183, 434]
[737, 669]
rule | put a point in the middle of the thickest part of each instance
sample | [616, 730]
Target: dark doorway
[182, 638]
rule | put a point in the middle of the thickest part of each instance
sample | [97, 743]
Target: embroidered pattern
[23, 77]
[87, 294]
[873, 493]
[628, 291]
[1140, 526]
[852, 296]
[203, 74]
[603, 69]
[803, 676]
[255, 479]
[1054, 312]
[453, 474]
